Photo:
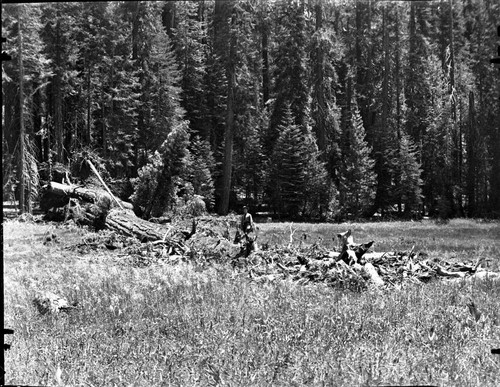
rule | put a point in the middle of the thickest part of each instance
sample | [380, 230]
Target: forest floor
[198, 325]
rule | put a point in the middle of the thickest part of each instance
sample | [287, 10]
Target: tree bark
[127, 223]
[229, 131]
[471, 158]
[57, 90]
[22, 150]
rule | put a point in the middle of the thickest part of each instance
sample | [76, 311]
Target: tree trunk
[265, 62]
[168, 18]
[54, 191]
[385, 81]
[320, 90]
[471, 158]
[22, 150]
[104, 125]
[127, 223]
[229, 131]
[88, 136]
[398, 78]
[57, 90]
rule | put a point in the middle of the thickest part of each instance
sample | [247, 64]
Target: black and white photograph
[251, 193]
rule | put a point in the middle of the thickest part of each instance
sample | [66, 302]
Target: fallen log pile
[352, 267]
[142, 243]
[377, 269]
[303, 264]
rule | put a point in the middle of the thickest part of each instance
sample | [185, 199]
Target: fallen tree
[98, 209]
[57, 195]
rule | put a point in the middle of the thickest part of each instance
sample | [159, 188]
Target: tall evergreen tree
[201, 167]
[406, 190]
[357, 182]
[225, 17]
[116, 116]
[290, 71]
[189, 34]
[24, 81]
[297, 178]
[288, 173]
[417, 88]
[57, 19]
[324, 111]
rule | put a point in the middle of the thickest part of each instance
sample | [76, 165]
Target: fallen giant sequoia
[102, 211]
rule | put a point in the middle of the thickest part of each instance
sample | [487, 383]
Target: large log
[54, 191]
[127, 223]
[99, 210]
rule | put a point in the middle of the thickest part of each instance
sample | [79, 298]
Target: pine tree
[201, 167]
[319, 192]
[436, 146]
[250, 161]
[290, 70]
[157, 186]
[417, 86]
[324, 111]
[188, 36]
[88, 34]
[298, 179]
[287, 177]
[357, 182]
[406, 171]
[58, 20]
[118, 111]
[24, 80]
[163, 89]
[386, 131]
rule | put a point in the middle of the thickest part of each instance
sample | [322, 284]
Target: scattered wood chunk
[372, 273]
[48, 302]
[446, 273]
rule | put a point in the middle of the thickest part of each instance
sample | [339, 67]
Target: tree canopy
[319, 109]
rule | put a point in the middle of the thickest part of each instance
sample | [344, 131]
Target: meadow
[200, 325]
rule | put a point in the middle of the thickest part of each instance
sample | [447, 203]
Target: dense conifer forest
[307, 109]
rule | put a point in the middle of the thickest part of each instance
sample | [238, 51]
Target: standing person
[247, 224]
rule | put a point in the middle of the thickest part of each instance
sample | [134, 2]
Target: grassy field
[197, 326]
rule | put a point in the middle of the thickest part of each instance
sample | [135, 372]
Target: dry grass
[187, 325]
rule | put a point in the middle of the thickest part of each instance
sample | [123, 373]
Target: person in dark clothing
[245, 239]
[247, 225]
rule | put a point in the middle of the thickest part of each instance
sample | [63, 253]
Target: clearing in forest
[155, 321]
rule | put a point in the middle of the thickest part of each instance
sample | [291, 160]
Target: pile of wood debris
[354, 267]
[142, 243]
[350, 266]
